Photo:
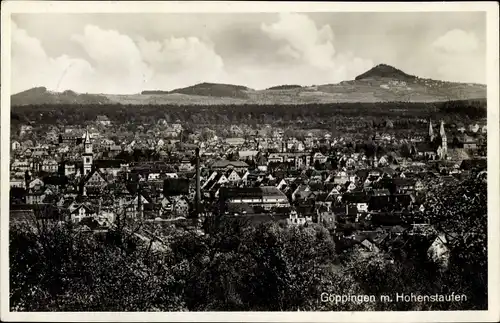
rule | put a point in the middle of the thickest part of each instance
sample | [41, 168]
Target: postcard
[250, 161]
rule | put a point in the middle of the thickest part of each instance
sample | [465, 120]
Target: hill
[382, 83]
[214, 89]
[285, 87]
[385, 71]
[40, 95]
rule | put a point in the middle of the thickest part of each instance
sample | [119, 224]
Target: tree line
[317, 114]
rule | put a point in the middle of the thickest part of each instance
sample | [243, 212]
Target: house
[17, 182]
[15, 145]
[181, 207]
[320, 158]
[474, 127]
[235, 141]
[233, 176]
[71, 138]
[424, 149]
[341, 178]
[36, 184]
[274, 158]
[295, 219]
[282, 184]
[50, 166]
[247, 154]
[379, 202]
[35, 197]
[227, 164]
[419, 186]
[359, 200]
[20, 165]
[266, 197]
[401, 185]
[80, 212]
[298, 191]
[185, 165]
[326, 218]
[439, 252]
[368, 245]
[380, 192]
[350, 186]
[103, 120]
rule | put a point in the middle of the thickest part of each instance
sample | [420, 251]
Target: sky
[125, 53]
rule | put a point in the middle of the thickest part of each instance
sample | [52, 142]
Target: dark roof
[378, 202]
[357, 197]
[403, 182]
[362, 174]
[256, 192]
[423, 146]
[389, 171]
[228, 163]
[109, 163]
[17, 192]
[55, 180]
[175, 186]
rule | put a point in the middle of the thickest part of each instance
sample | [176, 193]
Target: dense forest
[237, 267]
[307, 115]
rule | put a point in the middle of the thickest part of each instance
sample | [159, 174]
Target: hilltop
[385, 71]
[209, 89]
[382, 83]
[40, 95]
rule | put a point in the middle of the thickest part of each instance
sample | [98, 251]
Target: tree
[460, 211]
[59, 269]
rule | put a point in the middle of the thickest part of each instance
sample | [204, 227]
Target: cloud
[181, 61]
[312, 49]
[456, 41]
[31, 66]
[115, 63]
[454, 49]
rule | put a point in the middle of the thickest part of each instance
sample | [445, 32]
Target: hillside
[382, 83]
[40, 95]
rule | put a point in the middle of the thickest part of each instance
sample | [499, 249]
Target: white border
[491, 8]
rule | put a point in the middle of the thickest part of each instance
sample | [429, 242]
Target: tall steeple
[87, 143]
[87, 155]
[441, 130]
[444, 140]
[431, 131]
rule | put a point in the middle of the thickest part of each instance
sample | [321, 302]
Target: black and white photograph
[214, 158]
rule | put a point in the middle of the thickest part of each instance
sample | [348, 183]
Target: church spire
[87, 155]
[442, 133]
[444, 141]
[87, 137]
[431, 131]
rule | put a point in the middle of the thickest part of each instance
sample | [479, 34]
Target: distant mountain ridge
[285, 87]
[40, 95]
[208, 89]
[382, 83]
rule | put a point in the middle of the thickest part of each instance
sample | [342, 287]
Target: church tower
[444, 140]
[431, 131]
[87, 155]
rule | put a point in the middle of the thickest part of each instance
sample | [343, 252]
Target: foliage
[237, 266]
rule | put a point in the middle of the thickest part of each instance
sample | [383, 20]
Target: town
[230, 161]
[367, 192]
